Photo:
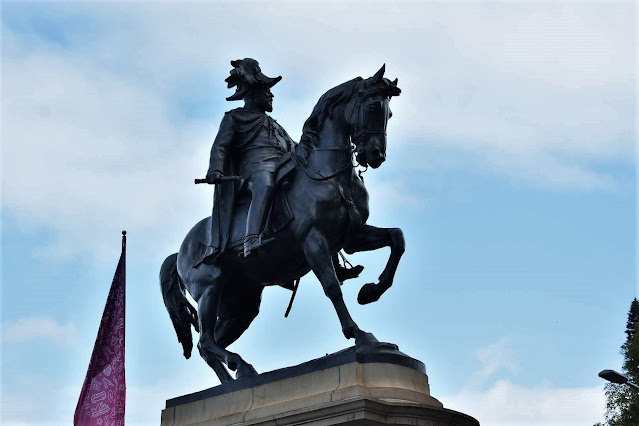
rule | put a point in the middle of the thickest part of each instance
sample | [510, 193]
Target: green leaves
[622, 405]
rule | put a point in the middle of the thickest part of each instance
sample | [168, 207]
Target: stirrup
[251, 242]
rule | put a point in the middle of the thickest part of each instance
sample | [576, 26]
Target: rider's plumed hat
[246, 75]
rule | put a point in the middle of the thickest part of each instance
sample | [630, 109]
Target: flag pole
[103, 394]
[124, 286]
[124, 265]
[124, 295]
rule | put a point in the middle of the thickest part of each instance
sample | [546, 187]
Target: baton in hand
[221, 179]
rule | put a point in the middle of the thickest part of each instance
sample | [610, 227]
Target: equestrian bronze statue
[281, 209]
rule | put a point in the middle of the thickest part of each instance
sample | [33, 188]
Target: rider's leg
[261, 185]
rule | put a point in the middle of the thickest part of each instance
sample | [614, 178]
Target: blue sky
[511, 169]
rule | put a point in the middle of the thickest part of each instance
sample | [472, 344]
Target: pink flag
[103, 394]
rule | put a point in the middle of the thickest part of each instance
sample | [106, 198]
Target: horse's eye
[374, 106]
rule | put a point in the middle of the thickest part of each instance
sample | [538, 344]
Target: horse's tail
[182, 313]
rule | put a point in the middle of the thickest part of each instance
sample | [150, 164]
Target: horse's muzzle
[377, 158]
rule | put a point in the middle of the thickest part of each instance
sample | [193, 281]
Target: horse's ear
[379, 74]
[392, 88]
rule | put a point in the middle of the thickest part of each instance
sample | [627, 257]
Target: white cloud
[37, 400]
[496, 401]
[494, 357]
[39, 328]
[508, 404]
[568, 44]
[87, 152]
[93, 139]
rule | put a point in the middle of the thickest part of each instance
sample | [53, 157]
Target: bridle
[360, 132]
[359, 137]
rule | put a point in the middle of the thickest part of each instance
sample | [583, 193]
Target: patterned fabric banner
[103, 394]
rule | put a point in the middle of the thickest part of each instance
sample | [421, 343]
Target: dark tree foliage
[622, 406]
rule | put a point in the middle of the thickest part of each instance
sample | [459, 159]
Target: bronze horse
[329, 206]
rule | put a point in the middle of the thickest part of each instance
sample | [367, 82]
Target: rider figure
[249, 144]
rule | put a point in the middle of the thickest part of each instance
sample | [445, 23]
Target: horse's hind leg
[371, 238]
[209, 349]
[227, 331]
[221, 371]
[236, 313]
[214, 354]
[230, 325]
[318, 256]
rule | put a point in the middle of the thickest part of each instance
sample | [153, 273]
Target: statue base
[364, 385]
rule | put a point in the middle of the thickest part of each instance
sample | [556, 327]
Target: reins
[317, 172]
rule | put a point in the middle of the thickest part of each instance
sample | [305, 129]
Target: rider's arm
[221, 145]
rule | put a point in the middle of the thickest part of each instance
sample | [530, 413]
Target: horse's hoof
[365, 338]
[245, 370]
[368, 294]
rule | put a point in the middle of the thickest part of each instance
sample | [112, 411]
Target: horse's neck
[332, 136]
[333, 149]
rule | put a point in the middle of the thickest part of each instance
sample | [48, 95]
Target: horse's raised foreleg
[318, 256]
[371, 238]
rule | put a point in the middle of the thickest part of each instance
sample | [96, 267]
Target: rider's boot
[343, 273]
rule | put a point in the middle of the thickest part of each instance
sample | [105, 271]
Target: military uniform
[249, 144]
[251, 141]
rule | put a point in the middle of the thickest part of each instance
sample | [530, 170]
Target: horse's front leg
[318, 256]
[371, 238]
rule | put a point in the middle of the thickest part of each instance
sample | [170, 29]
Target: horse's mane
[339, 95]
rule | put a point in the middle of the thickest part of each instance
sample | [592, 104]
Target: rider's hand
[213, 177]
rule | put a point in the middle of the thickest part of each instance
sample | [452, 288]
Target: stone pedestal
[370, 385]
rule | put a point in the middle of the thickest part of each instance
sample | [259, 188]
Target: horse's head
[369, 114]
[360, 108]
